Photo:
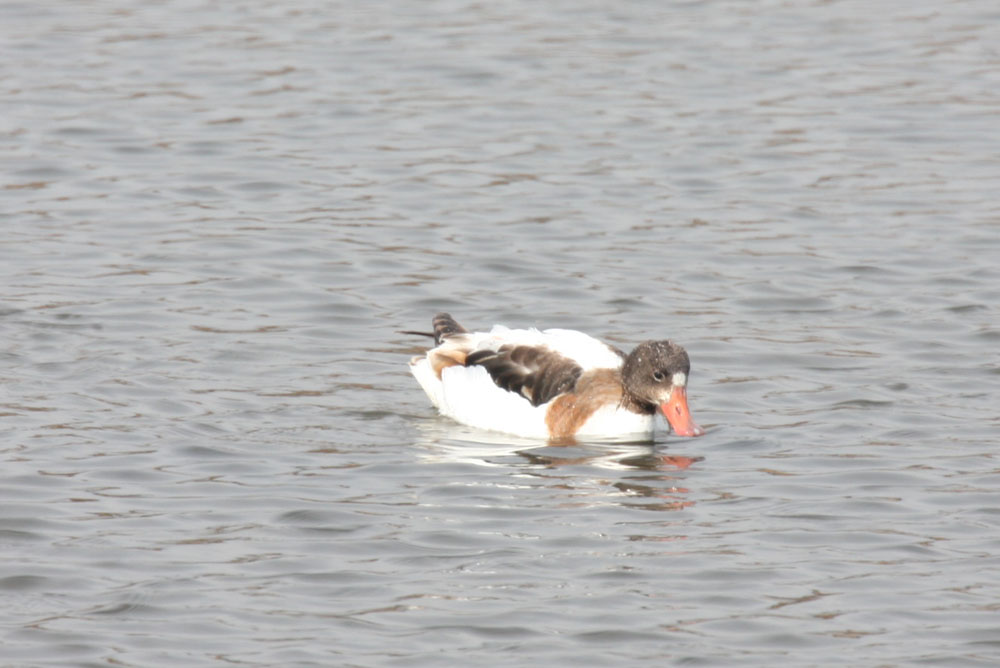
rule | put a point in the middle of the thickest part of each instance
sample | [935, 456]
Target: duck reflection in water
[650, 478]
[660, 480]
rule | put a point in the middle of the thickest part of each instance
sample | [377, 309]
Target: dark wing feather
[537, 374]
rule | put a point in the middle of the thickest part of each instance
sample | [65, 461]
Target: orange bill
[677, 414]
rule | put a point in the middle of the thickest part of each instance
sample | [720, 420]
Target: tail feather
[444, 326]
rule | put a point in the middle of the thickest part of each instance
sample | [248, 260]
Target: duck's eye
[658, 376]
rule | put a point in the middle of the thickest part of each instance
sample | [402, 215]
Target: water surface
[217, 218]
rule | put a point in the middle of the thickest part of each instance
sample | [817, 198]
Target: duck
[553, 384]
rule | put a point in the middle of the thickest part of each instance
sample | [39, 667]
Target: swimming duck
[554, 384]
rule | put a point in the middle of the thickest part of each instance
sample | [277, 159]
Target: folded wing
[536, 373]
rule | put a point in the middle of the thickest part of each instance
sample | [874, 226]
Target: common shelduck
[554, 384]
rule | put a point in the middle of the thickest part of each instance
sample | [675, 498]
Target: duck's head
[656, 373]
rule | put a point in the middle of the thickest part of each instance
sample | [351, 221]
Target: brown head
[656, 374]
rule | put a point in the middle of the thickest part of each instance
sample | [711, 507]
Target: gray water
[216, 217]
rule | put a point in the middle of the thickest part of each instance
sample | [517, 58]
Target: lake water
[216, 217]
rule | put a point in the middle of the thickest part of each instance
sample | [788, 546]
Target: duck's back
[505, 379]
